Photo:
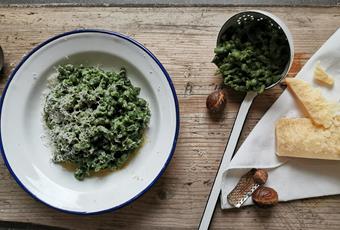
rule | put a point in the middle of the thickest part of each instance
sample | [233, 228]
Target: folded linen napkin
[292, 178]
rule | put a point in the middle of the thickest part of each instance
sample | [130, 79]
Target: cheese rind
[317, 107]
[299, 137]
[321, 76]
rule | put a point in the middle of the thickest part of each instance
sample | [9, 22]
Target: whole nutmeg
[265, 197]
[260, 176]
[216, 101]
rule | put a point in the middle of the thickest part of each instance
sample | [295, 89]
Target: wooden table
[183, 39]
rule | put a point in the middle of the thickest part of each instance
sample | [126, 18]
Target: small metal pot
[248, 16]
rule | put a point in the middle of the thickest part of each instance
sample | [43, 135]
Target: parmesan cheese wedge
[320, 75]
[299, 137]
[316, 106]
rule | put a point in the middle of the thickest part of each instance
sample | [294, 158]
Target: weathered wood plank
[183, 39]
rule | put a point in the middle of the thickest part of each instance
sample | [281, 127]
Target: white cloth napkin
[292, 178]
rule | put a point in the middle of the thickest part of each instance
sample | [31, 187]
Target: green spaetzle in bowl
[95, 118]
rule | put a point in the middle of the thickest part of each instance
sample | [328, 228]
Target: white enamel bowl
[24, 147]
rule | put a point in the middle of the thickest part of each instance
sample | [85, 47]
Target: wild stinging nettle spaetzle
[95, 118]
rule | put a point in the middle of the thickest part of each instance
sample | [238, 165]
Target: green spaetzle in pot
[252, 56]
[95, 118]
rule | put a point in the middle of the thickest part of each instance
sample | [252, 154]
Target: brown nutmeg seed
[216, 101]
[265, 197]
[260, 176]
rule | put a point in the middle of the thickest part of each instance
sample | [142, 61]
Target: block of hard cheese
[317, 107]
[299, 137]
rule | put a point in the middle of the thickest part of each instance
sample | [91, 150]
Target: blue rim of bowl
[24, 59]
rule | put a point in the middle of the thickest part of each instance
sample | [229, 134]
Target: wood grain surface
[183, 39]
